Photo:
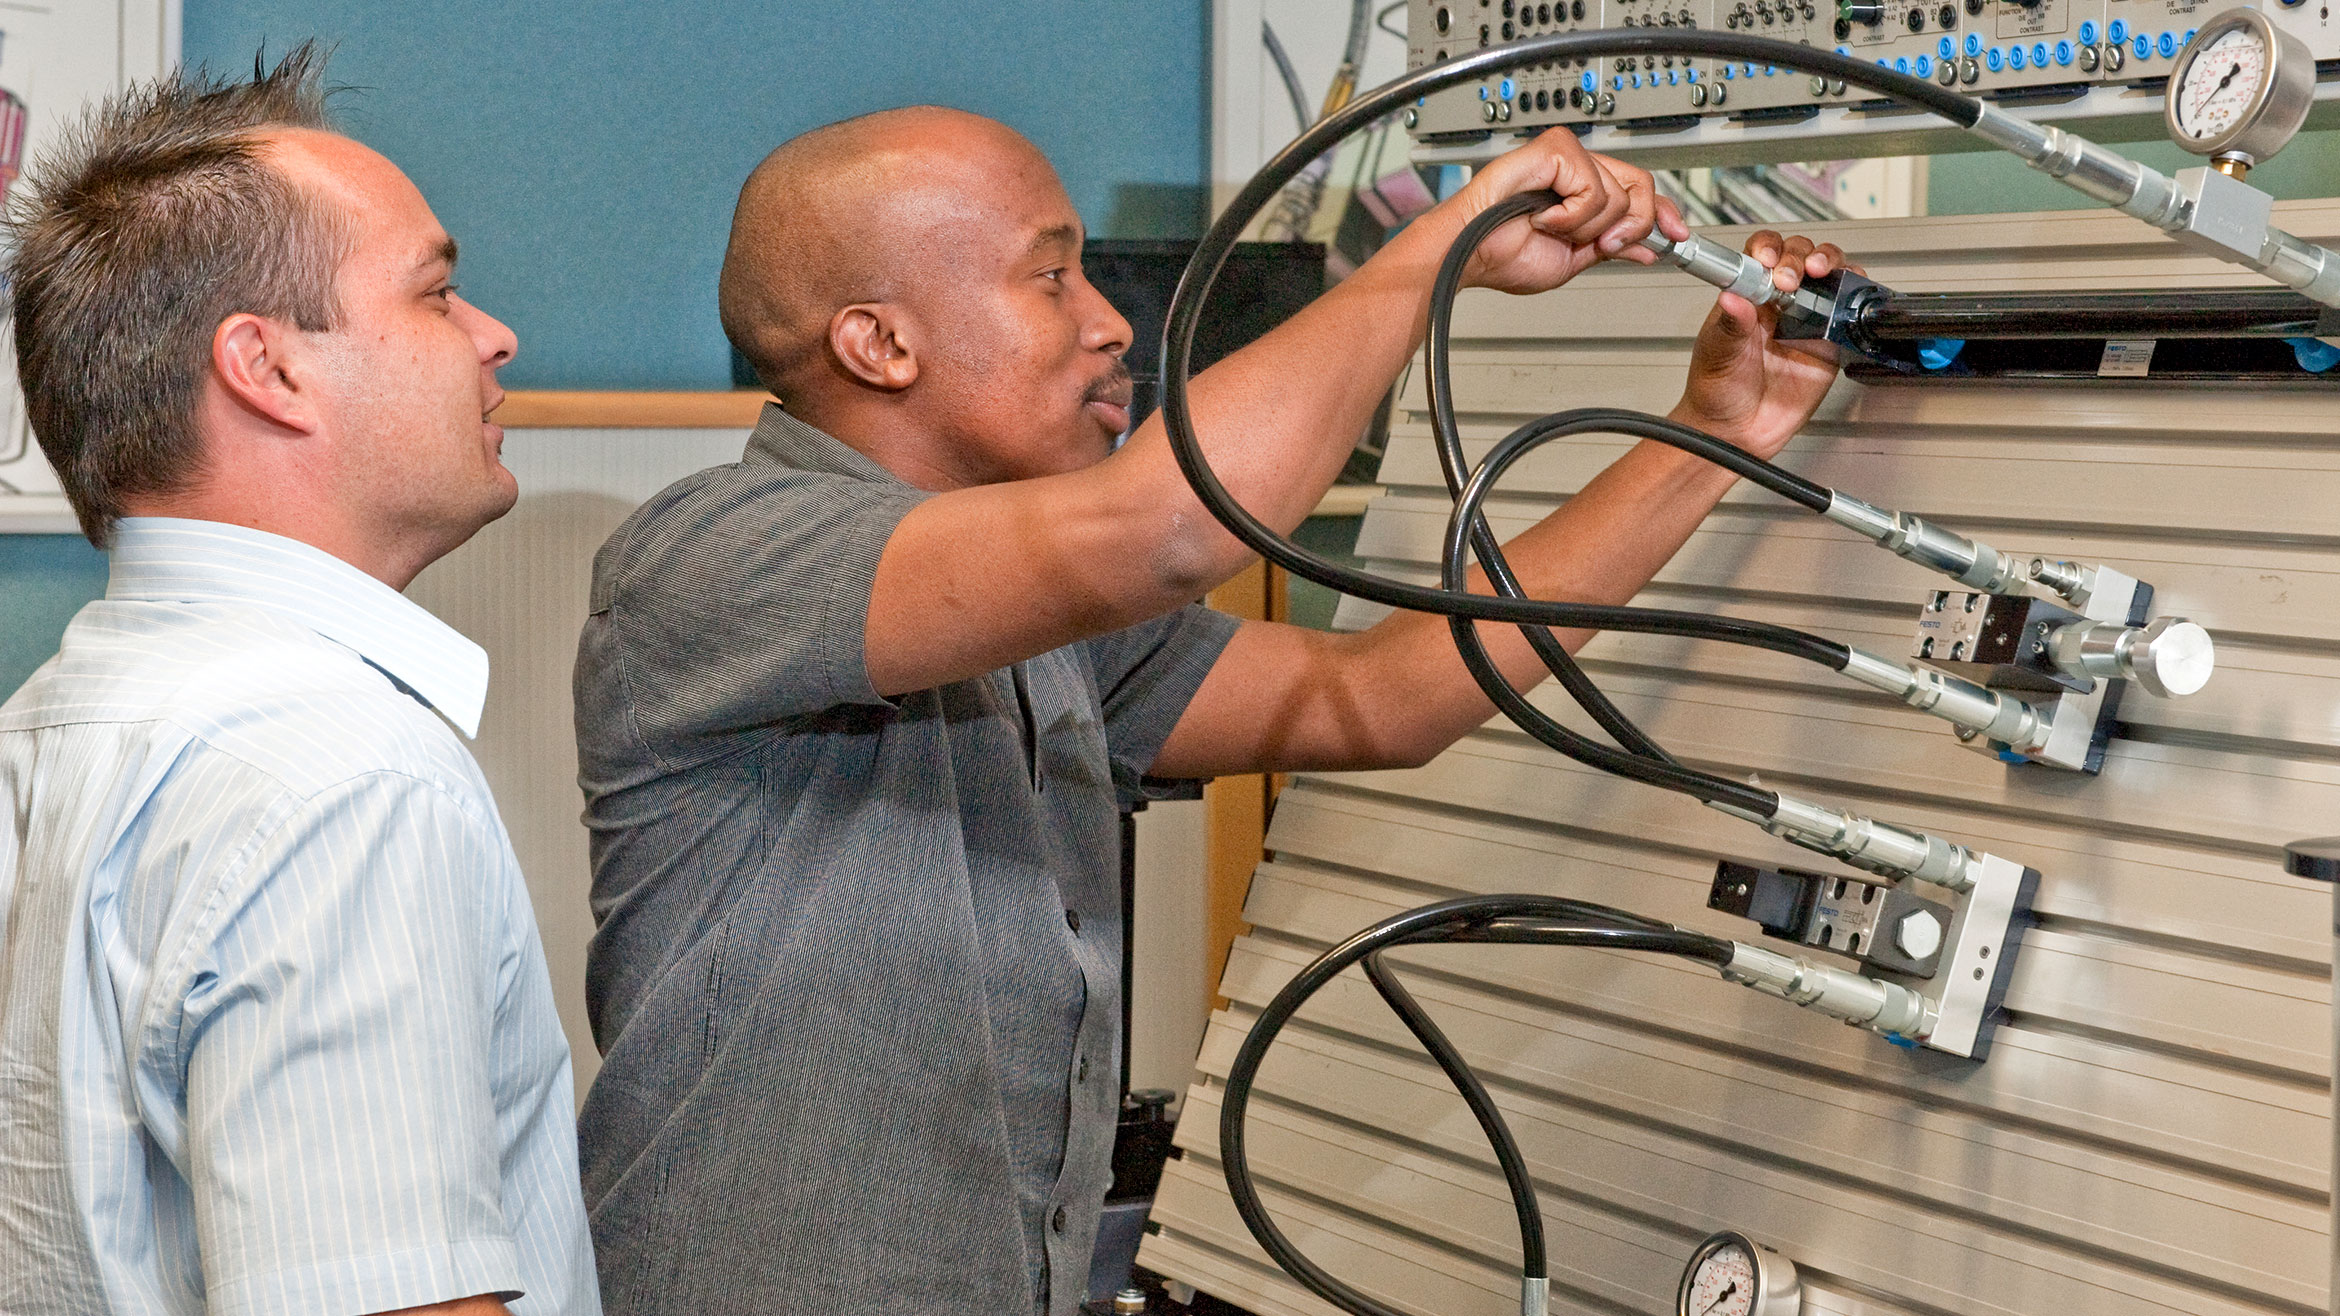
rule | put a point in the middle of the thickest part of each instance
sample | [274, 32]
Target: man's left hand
[1745, 385]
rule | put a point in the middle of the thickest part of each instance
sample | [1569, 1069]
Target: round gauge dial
[1731, 1275]
[2241, 89]
[2215, 91]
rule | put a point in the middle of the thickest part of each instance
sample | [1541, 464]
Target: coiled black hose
[1438, 376]
[1487, 919]
[1211, 254]
[1512, 919]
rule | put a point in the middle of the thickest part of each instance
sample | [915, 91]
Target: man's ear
[870, 341]
[258, 363]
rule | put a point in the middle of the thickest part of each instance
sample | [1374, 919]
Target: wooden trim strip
[729, 409]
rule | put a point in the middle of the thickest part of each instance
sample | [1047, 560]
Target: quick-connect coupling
[2297, 263]
[1876, 847]
[1886, 1007]
[2119, 182]
[2201, 207]
[1974, 709]
[1970, 562]
[1714, 263]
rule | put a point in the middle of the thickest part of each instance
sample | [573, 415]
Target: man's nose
[1105, 330]
[496, 342]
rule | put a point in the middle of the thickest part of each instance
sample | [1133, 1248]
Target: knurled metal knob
[2170, 658]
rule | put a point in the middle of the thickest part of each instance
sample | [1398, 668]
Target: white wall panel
[2151, 1132]
[518, 589]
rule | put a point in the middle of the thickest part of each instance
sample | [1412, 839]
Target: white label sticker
[2126, 357]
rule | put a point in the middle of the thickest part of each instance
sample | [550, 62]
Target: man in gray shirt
[855, 713]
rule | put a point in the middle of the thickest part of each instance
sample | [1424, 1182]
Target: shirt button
[1056, 1222]
[1081, 1075]
[1072, 919]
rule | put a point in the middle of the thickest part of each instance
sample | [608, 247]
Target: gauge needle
[1720, 1298]
[2211, 94]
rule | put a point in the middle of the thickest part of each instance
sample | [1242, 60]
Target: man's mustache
[1114, 387]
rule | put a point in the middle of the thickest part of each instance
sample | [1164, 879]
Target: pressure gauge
[2241, 89]
[1732, 1275]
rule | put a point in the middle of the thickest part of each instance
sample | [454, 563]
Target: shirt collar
[168, 559]
[782, 438]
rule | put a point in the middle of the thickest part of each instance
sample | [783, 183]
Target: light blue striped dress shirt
[276, 1033]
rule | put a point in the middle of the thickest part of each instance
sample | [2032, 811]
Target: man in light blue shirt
[276, 1033]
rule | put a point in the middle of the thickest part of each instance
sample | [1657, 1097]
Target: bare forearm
[1278, 419]
[1602, 546]
[1285, 699]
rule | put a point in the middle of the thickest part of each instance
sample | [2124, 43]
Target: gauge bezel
[2276, 111]
[1778, 1292]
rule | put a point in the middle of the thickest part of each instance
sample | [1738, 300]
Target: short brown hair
[153, 220]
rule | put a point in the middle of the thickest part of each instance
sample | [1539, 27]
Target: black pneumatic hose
[1660, 772]
[1186, 305]
[1512, 919]
[1438, 376]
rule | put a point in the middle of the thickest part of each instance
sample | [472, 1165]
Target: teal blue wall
[43, 579]
[586, 153]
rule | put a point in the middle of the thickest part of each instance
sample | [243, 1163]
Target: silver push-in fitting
[1714, 263]
[1970, 562]
[1886, 1007]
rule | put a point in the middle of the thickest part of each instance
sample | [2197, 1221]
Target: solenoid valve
[1943, 967]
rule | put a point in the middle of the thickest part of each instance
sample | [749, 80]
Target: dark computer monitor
[1263, 284]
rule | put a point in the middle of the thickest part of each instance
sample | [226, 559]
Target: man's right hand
[1606, 208]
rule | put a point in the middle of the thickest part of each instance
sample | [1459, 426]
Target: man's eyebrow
[1055, 235]
[443, 251]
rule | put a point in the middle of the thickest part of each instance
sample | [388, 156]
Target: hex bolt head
[1918, 934]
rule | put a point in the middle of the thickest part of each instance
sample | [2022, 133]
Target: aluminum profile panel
[2151, 1131]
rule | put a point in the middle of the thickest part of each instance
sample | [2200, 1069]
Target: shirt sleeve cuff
[388, 1281]
[854, 578]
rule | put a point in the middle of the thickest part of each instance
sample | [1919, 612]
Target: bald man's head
[911, 282]
[858, 211]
